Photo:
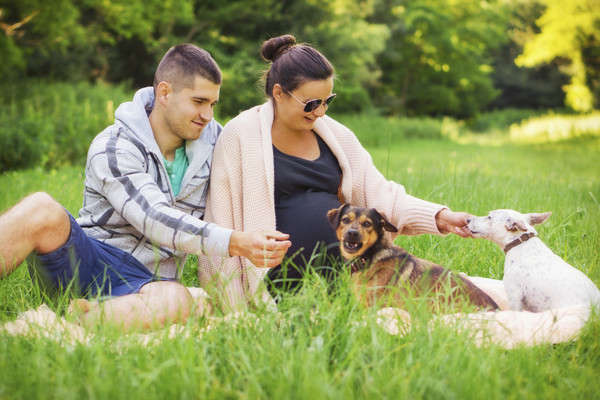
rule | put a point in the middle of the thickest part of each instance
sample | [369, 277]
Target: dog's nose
[352, 234]
[469, 220]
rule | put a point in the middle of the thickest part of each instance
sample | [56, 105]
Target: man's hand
[263, 249]
[454, 222]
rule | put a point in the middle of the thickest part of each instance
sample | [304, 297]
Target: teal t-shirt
[176, 168]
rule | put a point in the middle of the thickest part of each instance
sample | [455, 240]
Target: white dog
[535, 278]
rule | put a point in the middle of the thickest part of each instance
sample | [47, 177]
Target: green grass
[326, 346]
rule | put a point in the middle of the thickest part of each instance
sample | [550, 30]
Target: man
[145, 193]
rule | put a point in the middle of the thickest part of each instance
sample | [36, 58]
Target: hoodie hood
[134, 115]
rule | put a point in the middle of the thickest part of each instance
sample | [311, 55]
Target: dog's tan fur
[385, 274]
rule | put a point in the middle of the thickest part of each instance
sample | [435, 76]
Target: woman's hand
[262, 249]
[449, 221]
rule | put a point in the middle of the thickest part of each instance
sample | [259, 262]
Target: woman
[283, 164]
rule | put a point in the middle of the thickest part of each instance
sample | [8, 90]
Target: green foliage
[343, 38]
[524, 87]
[22, 142]
[67, 39]
[52, 124]
[12, 58]
[336, 28]
[568, 30]
[417, 57]
[123, 40]
[241, 87]
[437, 60]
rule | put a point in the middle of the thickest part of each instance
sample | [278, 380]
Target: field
[323, 345]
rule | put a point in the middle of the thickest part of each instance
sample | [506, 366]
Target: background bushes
[439, 69]
[500, 120]
[405, 57]
[50, 124]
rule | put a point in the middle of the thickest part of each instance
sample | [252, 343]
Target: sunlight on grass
[552, 128]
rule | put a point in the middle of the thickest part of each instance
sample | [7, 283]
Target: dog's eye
[367, 224]
[346, 220]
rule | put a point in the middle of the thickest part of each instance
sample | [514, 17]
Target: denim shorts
[90, 267]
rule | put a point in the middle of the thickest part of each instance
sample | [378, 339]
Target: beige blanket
[42, 322]
[505, 328]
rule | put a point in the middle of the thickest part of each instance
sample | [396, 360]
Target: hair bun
[274, 47]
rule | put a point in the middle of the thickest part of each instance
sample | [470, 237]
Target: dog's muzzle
[352, 242]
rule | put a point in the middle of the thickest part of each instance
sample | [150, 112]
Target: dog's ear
[538, 218]
[385, 224]
[513, 226]
[333, 215]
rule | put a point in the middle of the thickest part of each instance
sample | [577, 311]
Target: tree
[569, 30]
[524, 87]
[120, 40]
[337, 28]
[67, 39]
[437, 60]
[33, 24]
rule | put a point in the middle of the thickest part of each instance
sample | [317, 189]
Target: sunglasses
[312, 105]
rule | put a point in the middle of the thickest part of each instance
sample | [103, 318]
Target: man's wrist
[216, 243]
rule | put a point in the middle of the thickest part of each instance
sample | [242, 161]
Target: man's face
[189, 110]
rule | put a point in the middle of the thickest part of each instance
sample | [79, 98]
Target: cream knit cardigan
[241, 193]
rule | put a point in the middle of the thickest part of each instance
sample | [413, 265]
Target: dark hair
[292, 64]
[182, 63]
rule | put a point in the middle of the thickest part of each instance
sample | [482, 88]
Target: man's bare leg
[156, 305]
[37, 223]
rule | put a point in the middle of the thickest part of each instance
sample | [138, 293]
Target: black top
[304, 191]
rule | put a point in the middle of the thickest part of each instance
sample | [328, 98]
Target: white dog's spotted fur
[535, 278]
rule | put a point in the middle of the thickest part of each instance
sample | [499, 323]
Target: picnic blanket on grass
[506, 328]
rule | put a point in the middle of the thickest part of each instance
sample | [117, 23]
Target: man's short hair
[182, 63]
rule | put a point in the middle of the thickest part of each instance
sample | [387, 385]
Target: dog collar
[358, 264]
[523, 238]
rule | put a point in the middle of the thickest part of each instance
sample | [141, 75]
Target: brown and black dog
[385, 274]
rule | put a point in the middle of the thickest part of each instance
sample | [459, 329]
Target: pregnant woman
[283, 164]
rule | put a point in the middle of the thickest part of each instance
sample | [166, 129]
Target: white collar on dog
[523, 238]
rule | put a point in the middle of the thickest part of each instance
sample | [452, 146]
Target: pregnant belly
[304, 217]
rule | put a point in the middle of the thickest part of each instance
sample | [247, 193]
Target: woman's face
[290, 106]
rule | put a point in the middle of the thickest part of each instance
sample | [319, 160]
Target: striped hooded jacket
[128, 200]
